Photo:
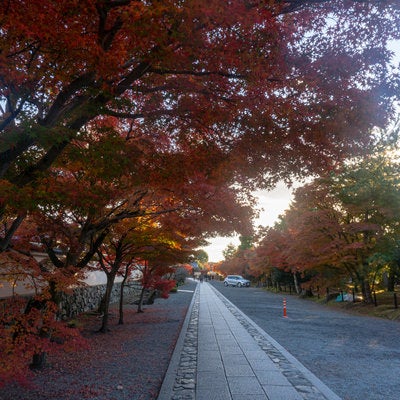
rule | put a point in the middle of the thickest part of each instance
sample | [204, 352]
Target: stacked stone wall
[88, 298]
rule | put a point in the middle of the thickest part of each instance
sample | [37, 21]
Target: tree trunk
[391, 280]
[308, 292]
[296, 283]
[106, 303]
[366, 291]
[100, 308]
[38, 361]
[140, 310]
[121, 301]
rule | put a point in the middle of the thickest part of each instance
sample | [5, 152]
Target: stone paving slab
[223, 355]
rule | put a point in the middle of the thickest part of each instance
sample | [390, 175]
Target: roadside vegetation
[340, 235]
[385, 307]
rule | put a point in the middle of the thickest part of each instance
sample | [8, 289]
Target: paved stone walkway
[221, 354]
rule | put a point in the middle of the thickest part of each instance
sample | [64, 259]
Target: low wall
[88, 298]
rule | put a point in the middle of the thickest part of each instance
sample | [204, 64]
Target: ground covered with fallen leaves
[129, 362]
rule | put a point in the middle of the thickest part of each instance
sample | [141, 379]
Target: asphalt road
[357, 357]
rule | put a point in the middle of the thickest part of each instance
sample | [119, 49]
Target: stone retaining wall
[88, 298]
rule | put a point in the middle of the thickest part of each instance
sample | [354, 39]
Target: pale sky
[272, 204]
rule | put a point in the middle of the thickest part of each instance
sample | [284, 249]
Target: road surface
[358, 357]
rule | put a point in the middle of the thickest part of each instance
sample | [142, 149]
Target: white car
[236, 280]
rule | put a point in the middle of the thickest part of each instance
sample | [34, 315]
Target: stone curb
[175, 373]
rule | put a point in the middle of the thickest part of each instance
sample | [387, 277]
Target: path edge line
[167, 385]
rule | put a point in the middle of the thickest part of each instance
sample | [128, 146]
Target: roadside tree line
[342, 230]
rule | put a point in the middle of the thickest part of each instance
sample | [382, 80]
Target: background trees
[340, 227]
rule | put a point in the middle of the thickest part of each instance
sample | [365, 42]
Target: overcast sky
[272, 204]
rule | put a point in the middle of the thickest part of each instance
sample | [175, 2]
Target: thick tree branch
[5, 241]
[48, 243]
[29, 175]
[82, 82]
[163, 71]
[94, 247]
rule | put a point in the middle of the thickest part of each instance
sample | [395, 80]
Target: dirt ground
[129, 362]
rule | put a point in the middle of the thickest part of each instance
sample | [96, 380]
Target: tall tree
[238, 260]
[201, 256]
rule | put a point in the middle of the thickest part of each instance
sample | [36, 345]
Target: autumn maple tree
[28, 331]
[164, 246]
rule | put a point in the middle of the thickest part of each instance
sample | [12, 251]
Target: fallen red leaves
[129, 362]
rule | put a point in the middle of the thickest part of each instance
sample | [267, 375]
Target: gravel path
[358, 357]
[129, 362]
